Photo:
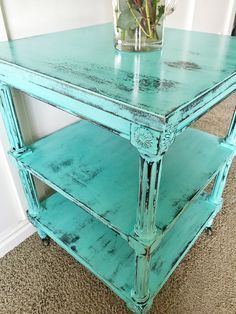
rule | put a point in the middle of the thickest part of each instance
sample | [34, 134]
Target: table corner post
[146, 141]
[151, 145]
[220, 181]
[18, 146]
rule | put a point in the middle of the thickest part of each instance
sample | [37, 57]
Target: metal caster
[46, 241]
[209, 231]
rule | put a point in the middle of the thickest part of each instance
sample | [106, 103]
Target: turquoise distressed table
[129, 184]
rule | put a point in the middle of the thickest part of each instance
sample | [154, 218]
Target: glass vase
[139, 24]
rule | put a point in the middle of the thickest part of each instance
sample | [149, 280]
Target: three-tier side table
[130, 186]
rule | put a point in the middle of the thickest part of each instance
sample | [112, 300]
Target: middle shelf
[99, 171]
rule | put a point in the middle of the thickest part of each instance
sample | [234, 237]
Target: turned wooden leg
[145, 228]
[219, 185]
[149, 178]
[150, 165]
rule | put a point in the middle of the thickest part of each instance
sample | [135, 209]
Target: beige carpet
[35, 279]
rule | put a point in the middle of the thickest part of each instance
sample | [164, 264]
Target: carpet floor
[35, 279]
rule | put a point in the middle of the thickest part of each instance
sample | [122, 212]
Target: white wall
[32, 17]
[215, 16]
[212, 16]
[27, 18]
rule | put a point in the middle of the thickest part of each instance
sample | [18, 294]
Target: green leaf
[123, 5]
[127, 20]
[154, 5]
[161, 11]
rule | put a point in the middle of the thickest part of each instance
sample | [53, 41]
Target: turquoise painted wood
[128, 207]
[18, 147]
[105, 183]
[145, 88]
[109, 257]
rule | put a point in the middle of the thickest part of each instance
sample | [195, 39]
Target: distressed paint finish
[75, 166]
[150, 164]
[18, 147]
[132, 195]
[219, 184]
[97, 247]
[149, 180]
[231, 136]
[217, 191]
[10, 120]
[30, 191]
[107, 255]
[141, 293]
[144, 89]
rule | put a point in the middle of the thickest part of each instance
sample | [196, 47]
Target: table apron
[206, 102]
[78, 101]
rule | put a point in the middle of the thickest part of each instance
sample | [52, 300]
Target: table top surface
[159, 82]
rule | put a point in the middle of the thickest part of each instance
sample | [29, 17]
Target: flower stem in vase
[138, 24]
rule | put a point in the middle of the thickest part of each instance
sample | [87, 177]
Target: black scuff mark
[186, 65]
[57, 167]
[111, 251]
[157, 267]
[121, 80]
[69, 238]
[73, 247]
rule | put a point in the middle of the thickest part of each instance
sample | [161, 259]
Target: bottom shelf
[110, 257]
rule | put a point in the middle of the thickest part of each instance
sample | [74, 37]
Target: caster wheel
[209, 231]
[46, 241]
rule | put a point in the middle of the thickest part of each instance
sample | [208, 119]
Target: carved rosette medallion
[143, 138]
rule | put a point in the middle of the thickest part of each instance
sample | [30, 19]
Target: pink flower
[137, 2]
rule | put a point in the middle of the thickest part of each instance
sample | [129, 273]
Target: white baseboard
[14, 236]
